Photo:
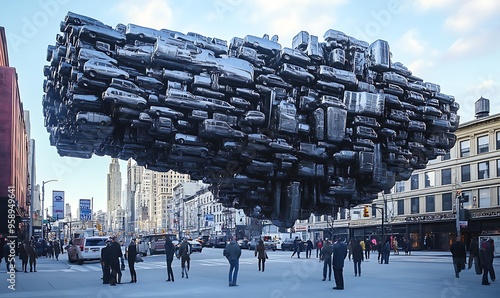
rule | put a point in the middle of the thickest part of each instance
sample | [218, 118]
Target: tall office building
[164, 183]
[114, 188]
[133, 194]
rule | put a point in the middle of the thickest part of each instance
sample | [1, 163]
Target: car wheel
[286, 57]
[92, 74]
[179, 152]
[77, 21]
[203, 154]
[102, 123]
[83, 121]
[92, 34]
[308, 80]
[180, 141]
[157, 113]
[122, 77]
[141, 106]
[141, 35]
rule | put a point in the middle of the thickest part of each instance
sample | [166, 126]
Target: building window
[470, 203]
[465, 173]
[430, 179]
[465, 148]
[447, 201]
[483, 145]
[401, 207]
[498, 196]
[498, 140]
[498, 167]
[400, 186]
[414, 181]
[483, 170]
[415, 206]
[484, 198]
[445, 176]
[430, 204]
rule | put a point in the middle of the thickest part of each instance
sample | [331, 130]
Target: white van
[92, 248]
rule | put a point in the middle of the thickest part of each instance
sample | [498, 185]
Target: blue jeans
[234, 265]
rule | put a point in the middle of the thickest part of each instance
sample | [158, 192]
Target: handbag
[138, 258]
[266, 255]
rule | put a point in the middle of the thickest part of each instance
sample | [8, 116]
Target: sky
[453, 43]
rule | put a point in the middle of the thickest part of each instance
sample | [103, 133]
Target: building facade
[14, 180]
[114, 187]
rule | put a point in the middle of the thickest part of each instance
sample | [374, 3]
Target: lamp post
[43, 203]
[383, 217]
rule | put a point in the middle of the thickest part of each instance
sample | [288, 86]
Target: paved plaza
[423, 274]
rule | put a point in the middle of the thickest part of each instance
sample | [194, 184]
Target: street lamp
[43, 202]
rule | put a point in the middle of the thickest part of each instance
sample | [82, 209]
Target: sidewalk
[42, 264]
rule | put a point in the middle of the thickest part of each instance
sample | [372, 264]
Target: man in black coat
[339, 255]
[115, 254]
[131, 255]
[459, 255]
[169, 251]
[105, 258]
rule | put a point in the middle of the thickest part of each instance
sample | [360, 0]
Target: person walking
[339, 255]
[6, 254]
[484, 258]
[319, 246]
[386, 251]
[23, 255]
[349, 248]
[260, 253]
[309, 248]
[297, 243]
[50, 249]
[380, 250]
[130, 255]
[357, 257]
[459, 255]
[474, 256]
[57, 249]
[326, 257]
[491, 255]
[232, 252]
[32, 255]
[105, 260]
[368, 248]
[115, 254]
[185, 256]
[362, 243]
[395, 246]
[169, 251]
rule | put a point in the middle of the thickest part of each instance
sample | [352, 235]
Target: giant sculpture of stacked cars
[279, 132]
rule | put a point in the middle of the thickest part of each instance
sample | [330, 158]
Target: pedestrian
[349, 248]
[491, 255]
[368, 248]
[130, 255]
[380, 250]
[32, 255]
[57, 249]
[6, 255]
[169, 251]
[386, 251]
[339, 255]
[309, 248]
[115, 254]
[395, 246]
[260, 253]
[185, 256]
[362, 243]
[61, 246]
[357, 257]
[474, 256]
[23, 255]
[50, 249]
[459, 255]
[319, 246]
[296, 248]
[232, 252]
[484, 258]
[326, 257]
[105, 263]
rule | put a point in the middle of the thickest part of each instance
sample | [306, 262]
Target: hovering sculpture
[279, 132]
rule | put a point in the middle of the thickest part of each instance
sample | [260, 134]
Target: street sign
[45, 221]
[463, 223]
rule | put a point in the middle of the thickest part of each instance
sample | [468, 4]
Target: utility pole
[43, 203]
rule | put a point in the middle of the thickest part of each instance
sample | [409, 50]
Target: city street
[423, 274]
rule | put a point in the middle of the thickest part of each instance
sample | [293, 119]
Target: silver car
[164, 111]
[85, 117]
[96, 68]
[121, 97]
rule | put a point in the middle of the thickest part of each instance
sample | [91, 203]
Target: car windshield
[95, 242]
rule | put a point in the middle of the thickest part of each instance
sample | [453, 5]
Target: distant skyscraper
[114, 188]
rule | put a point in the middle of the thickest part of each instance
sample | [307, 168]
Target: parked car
[85, 117]
[243, 243]
[164, 111]
[294, 56]
[273, 81]
[219, 128]
[105, 34]
[253, 118]
[295, 73]
[127, 85]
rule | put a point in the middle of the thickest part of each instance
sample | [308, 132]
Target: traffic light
[366, 212]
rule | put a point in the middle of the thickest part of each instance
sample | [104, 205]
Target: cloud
[420, 67]
[472, 14]
[156, 14]
[433, 4]
[411, 43]
[480, 41]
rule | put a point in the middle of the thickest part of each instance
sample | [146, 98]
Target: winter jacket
[357, 252]
[232, 251]
[260, 251]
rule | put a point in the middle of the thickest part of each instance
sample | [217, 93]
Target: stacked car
[279, 132]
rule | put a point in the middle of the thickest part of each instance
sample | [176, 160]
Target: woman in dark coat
[32, 257]
[260, 253]
[23, 255]
[131, 254]
[169, 251]
[357, 257]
